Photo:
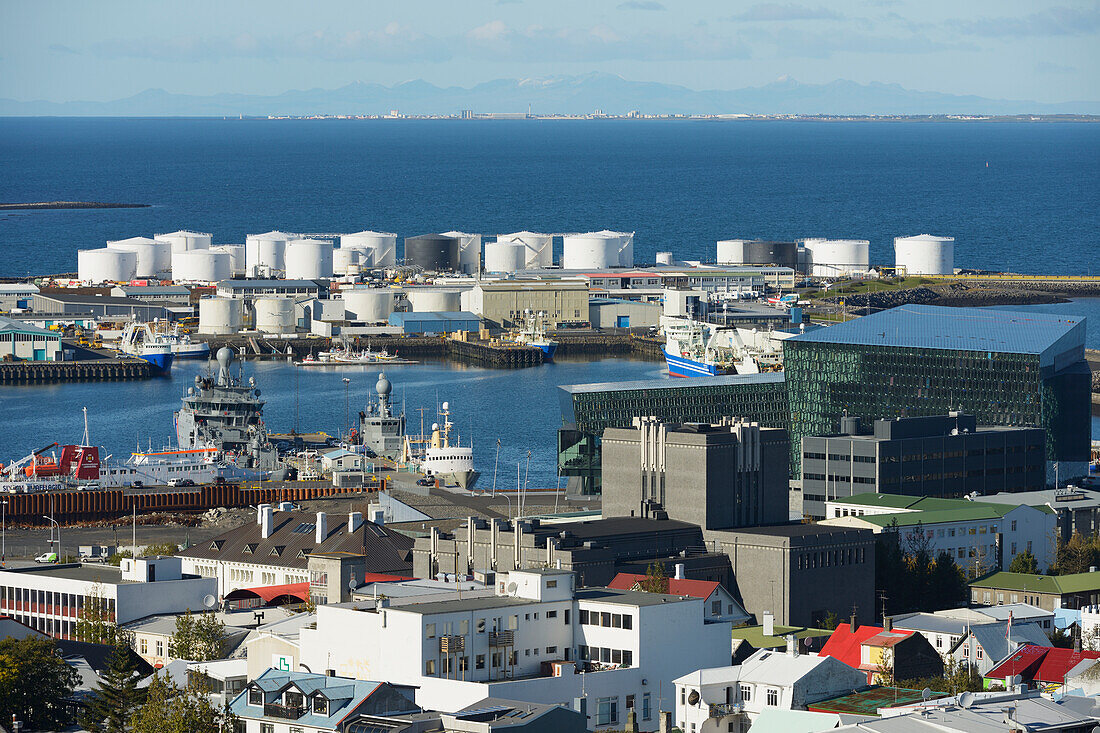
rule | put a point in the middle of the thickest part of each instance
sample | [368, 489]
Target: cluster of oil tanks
[924, 254]
[181, 256]
[518, 251]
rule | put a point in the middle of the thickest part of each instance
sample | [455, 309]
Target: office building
[251, 289]
[719, 476]
[1076, 509]
[939, 455]
[1002, 367]
[526, 642]
[979, 536]
[589, 409]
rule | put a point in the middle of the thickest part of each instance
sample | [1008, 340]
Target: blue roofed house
[986, 645]
[313, 703]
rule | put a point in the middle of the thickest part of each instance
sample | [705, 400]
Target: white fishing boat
[142, 341]
[441, 455]
[699, 349]
[182, 345]
[344, 355]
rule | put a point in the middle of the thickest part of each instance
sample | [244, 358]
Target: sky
[101, 50]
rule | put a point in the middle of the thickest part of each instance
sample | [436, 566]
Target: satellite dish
[512, 587]
[966, 699]
[926, 694]
[1017, 679]
[209, 601]
[693, 698]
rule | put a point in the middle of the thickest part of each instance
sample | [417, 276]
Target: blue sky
[106, 49]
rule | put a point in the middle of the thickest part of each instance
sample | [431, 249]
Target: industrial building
[502, 304]
[153, 258]
[185, 241]
[597, 250]
[589, 409]
[1002, 367]
[21, 341]
[106, 265]
[166, 295]
[248, 289]
[308, 259]
[265, 254]
[16, 296]
[434, 323]
[835, 257]
[538, 249]
[619, 313]
[71, 305]
[722, 476]
[939, 455]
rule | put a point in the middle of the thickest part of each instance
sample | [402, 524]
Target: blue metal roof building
[442, 322]
[1004, 367]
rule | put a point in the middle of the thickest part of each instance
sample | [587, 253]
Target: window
[716, 608]
[646, 710]
[628, 622]
[773, 696]
[267, 728]
[429, 631]
[551, 584]
[429, 667]
[320, 705]
[1013, 525]
[481, 626]
[255, 696]
[746, 693]
[584, 617]
[551, 650]
[479, 661]
[513, 623]
[160, 648]
[980, 653]
[607, 711]
[551, 614]
[144, 646]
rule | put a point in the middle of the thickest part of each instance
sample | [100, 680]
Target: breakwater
[100, 370]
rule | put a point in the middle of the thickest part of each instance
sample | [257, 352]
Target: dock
[97, 370]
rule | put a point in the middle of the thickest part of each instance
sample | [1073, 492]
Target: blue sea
[1023, 197]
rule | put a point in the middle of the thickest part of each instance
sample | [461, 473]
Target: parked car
[187, 482]
[426, 481]
[46, 557]
[175, 482]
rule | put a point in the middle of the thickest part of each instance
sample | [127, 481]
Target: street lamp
[347, 418]
[3, 533]
[58, 535]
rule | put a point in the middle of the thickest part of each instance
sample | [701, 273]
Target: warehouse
[428, 323]
[502, 303]
[617, 313]
[16, 295]
[100, 306]
[20, 341]
[176, 295]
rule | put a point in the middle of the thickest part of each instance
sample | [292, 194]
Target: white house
[979, 536]
[538, 639]
[342, 459]
[944, 629]
[730, 698]
[719, 604]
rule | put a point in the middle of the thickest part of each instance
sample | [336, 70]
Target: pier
[98, 370]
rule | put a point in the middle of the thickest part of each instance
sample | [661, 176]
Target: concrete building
[721, 476]
[728, 698]
[502, 304]
[1004, 368]
[979, 536]
[434, 323]
[70, 305]
[16, 296]
[526, 642]
[170, 295]
[619, 313]
[50, 599]
[22, 341]
[275, 549]
[252, 289]
[1049, 592]
[939, 455]
[1076, 509]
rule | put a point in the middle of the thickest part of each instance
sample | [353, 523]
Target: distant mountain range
[556, 95]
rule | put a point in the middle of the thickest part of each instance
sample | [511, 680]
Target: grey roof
[102, 574]
[929, 622]
[293, 536]
[939, 327]
[602, 595]
[1057, 500]
[992, 639]
[154, 289]
[247, 284]
[983, 716]
[629, 597]
[7, 324]
[85, 299]
[667, 384]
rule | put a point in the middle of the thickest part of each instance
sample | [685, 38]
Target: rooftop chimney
[267, 518]
[260, 512]
[679, 572]
[769, 623]
[792, 645]
[355, 521]
[852, 624]
[322, 527]
[888, 623]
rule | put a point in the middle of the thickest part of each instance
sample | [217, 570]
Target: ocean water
[518, 407]
[1022, 197]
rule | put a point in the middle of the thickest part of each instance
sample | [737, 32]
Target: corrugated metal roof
[7, 324]
[400, 318]
[939, 327]
[646, 384]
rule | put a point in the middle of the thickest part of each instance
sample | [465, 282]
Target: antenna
[209, 600]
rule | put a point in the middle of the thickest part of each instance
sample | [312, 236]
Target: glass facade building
[1003, 367]
[587, 409]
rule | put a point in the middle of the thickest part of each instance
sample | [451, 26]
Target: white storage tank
[219, 315]
[274, 315]
[105, 265]
[432, 300]
[348, 260]
[539, 248]
[469, 250]
[308, 259]
[504, 257]
[368, 305]
[664, 258]
[153, 258]
[183, 241]
[625, 246]
[265, 254]
[201, 266]
[380, 246]
[592, 251]
[836, 257]
[236, 256]
[925, 254]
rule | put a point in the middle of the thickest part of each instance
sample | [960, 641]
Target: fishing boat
[343, 355]
[438, 455]
[183, 346]
[699, 349]
[533, 334]
[142, 341]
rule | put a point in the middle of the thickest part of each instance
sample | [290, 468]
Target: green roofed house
[979, 536]
[1003, 367]
[1049, 592]
[770, 635]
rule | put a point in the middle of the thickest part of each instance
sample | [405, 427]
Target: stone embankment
[952, 294]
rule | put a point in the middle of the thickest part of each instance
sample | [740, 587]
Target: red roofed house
[876, 648]
[1037, 666]
[719, 604]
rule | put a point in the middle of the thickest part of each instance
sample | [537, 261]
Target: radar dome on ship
[383, 386]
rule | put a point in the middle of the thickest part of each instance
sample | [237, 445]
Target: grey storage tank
[432, 252]
[757, 252]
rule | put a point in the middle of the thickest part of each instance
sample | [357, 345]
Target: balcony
[285, 712]
[501, 638]
[725, 709]
[452, 644]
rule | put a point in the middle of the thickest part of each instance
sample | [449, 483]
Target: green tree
[1077, 555]
[94, 622]
[160, 548]
[947, 586]
[198, 637]
[655, 580]
[172, 709]
[957, 677]
[117, 696]
[34, 683]
[1025, 562]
